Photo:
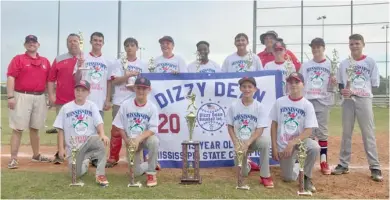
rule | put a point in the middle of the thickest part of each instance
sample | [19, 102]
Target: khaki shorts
[29, 112]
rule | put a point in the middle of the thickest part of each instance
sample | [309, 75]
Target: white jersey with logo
[121, 92]
[134, 120]
[209, 67]
[273, 65]
[245, 119]
[97, 76]
[292, 116]
[168, 65]
[316, 77]
[78, 121]
[365, 76]
[236, 63]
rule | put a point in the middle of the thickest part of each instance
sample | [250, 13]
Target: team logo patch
[317, 79]
[358, 80]
[291, 124]
[79, 124]
[96, 74]
[211, 117]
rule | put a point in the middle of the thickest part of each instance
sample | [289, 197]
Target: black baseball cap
[317, 41]
[31, 38]
[166, 38]
[249, 79]
[297, 76]
[262, 36]
[83, 83]
[142, 81]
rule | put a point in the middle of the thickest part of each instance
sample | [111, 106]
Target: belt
[27, 92]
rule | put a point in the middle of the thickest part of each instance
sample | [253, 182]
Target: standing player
[246, 122]
[358, 104]
[119, 78]
[316, 73]
[242, 60]
[204, 65]
[137, 120]
[77, 122]
[293, 118]
[169, 62]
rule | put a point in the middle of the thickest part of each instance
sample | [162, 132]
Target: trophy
[301, 176]
[190, 169]
[198, 60]
[151, 67]
[249, 60]
[75, 151]
[125, 63]
[240, 154]
[131, 151]
[81, 55]
[288, 66]
[333, 71]
[350, 72]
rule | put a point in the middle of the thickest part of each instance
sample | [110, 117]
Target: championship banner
[214, 94]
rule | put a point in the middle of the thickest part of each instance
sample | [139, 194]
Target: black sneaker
[94, 162]
[52, 131]
[308, 185]
[57, 160]
[376, 175]
[340, 170]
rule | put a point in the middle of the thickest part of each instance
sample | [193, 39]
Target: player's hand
[131, 88]
[11, 103]
[61, 154]
[52, 100]
[105, 140]
[288, 150]
[107, 105]
[333, 81]
[275, 154]
[129, 74]
[80, 62]
[346, 93]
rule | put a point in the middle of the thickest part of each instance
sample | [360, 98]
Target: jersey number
[174, 123]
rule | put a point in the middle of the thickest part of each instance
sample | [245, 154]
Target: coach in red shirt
[268, 39]
[26, 84]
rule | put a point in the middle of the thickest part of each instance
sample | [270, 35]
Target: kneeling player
[137, 120]
[246, 123]
[77, 123]
[293, 118]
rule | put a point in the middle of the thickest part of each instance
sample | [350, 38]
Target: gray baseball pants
[152, 144]
[90, 150]
[290, 169]
[322, 114]
[360, 108]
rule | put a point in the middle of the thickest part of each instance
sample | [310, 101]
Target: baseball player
[169, 62]
[242, 60]
[203, 65]
[137, 120]
[246, 122]
[316, 73]
[77, 122]
[293, 118]
[357, 103]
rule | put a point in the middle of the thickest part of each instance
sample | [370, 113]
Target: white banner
[214, 94]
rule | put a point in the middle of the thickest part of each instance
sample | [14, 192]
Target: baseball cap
[279, 45]
[249, 79]
[297, 76]
[166, 38]
[31, 38]
[142, 81]
[262, 36]
[317, 41]
[83, 83]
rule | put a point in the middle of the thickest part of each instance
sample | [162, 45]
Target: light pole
[387, 78]
[140, 52]
[323, 18]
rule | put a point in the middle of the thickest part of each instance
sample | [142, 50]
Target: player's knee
[152, 142]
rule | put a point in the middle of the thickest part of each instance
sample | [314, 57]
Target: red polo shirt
[30, 73]
[266, 57]
[62, 73]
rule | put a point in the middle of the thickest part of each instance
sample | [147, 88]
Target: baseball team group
[79, 86]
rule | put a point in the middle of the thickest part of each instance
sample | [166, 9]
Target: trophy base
[244, 187]
[137, 184]
[79, 184]
[305, 193]
[188, 181]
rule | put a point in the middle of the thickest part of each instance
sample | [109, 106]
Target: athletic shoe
[267, 182]
[57, 160]
[94, 162]
[111, 163]
[158, 167]
[52, 131]
[376, 175]
[151, 180]
[253, 165]
[325, 168]
[41, 158]
[13, 164]
[340, 170]
[308, 185]
[102, 180]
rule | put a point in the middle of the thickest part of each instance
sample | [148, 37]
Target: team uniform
[169, 65]
[209, 67]
[267, 57]
[236, 63]
[292, 117]
[364, 77]
[273, 65]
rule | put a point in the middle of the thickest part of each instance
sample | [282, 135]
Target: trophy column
[301, 176]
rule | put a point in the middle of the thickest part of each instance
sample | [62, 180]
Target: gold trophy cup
[81, 55]
[74, 152]
[350, 72]
[333, 71]
[124, 62]
[249, 60]
[198, 61]
[288, 66]
[152, 66]
[131, 152]
[301, 177]
[240, 153]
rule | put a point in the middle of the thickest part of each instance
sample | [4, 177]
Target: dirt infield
[357, 184]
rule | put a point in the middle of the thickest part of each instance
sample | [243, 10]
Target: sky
[187, 22]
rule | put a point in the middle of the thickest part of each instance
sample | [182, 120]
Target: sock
[324, 151]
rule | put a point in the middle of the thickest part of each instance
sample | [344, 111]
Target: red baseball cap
[297, 76]
[249, 79]
[83, 83]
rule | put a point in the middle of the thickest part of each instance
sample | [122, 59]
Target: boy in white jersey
[98, 74]
[242, 60]
[119, 77]
[293, 118]
[137, 120]
[357, 103]
[77, 122]
[316, 73]
[279, 52]
[246, 122]
[203, 65]
[169, 62]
